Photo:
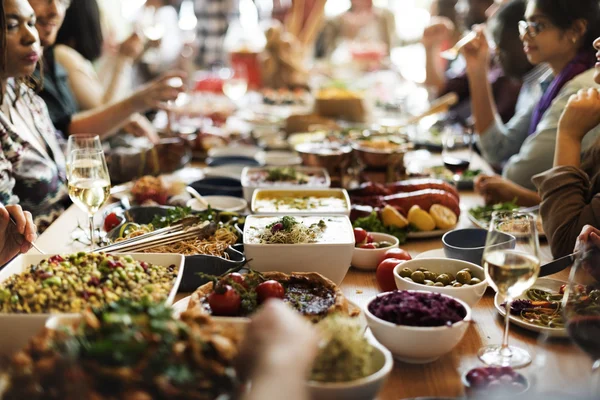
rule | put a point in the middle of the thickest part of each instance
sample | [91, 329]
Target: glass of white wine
[235, 82]
[89, 183]
[512, 264]
[82, 141]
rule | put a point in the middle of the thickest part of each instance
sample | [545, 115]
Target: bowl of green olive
[461, 279]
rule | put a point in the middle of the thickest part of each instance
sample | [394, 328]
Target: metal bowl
[378, 158]
[330, 156]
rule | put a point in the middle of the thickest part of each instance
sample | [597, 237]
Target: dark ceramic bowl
[468, 244]
[210, 265]
[228, 160]
[218, 186]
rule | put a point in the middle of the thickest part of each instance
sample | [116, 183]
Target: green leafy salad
[372, 223]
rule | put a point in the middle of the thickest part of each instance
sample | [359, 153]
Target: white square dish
[286, 201]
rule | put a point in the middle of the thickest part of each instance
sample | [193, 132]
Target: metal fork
[33, 244]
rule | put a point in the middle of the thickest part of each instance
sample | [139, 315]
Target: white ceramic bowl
[369, 259]
[249, 186]
[223, 203]
[271, 208]
[364, 388]
[17, 329]
[232, 151]
[331, 256]
[470, 294]
[278, 158]
[418, 345]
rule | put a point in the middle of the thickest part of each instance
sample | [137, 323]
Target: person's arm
[439, 30]
[566, 206]
[106, 119]
[130, 50]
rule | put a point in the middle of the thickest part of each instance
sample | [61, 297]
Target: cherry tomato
[224, 300]
[235, 277]
[111, 221]
[360, 235]
[396, 253]
[368, 246]
[369, 238]
[385, 274]
[268, 289]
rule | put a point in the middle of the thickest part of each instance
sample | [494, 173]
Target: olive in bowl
[494, 382]
[367, 255]
[457, 278]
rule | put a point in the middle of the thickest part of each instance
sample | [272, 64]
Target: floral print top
[31, 175]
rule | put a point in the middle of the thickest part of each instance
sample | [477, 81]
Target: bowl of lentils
[417, 326]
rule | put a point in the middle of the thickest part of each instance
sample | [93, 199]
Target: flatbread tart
[310, 293]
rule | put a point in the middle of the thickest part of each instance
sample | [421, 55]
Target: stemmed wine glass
[82, 141]
[512, 265]
[456, 151]
[581, 307]
[235, 81]
[89, 183]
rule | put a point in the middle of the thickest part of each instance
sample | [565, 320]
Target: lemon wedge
[420, 219]
[444, 217]
[391, 217]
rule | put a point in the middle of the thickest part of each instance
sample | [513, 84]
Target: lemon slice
[391, 217]
[443, 216]
[420, 219]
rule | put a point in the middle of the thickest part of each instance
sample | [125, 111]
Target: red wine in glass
[456, 165]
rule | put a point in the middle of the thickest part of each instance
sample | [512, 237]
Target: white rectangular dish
[255, 178]
[300, 202]
[17, 329]
[330, 255]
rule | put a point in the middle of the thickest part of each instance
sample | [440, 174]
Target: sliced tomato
[111, 221]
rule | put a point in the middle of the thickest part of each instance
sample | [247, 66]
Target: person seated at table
[362, 22]
[79, 43]
[560, 33]
[15, 238]
[443, 77]
[32, 165]
[60, 100]
[570, 192]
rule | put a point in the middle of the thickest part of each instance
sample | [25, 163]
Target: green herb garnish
[484, 213]
[173, 215]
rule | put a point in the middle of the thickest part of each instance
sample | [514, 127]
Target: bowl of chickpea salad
[33, 286]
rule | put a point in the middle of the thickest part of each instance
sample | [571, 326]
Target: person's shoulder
[67, 56]
[584, 80]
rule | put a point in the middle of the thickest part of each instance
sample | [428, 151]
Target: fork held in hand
[33, 244]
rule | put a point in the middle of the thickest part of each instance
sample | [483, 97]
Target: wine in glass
[511, 262]
[456, 151]
[235, 82]
[581, 304]
[89, 183]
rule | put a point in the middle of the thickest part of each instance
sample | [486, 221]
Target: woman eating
[557, 32]
[57, 94]
[570, 192]
[32, 165]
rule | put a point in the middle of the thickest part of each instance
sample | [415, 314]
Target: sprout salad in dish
[71, 283]
[288, 230]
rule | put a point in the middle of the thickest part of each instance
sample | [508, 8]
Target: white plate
[428, 234]
[223, 203]
[229, 171]
[436, 253]
[544, 284]
[182, 305]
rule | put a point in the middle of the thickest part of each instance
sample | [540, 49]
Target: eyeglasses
[531, 28]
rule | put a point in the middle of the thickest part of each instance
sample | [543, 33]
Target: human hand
[438, 30]
[277, 338]
[160, 90]
[138, 125]
[15, 239]
[580, 116]
[132, 47]
[588, 236]
[477, 53]
[496, 189]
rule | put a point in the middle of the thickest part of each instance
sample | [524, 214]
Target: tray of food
[297, 202]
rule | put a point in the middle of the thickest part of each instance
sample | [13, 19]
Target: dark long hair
[564, 13]
[82, 29]
[30, 81]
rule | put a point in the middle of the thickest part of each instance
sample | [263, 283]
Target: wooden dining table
[558, 366]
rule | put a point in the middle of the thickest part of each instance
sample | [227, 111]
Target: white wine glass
[581, 308]
[512, 265]
[235, 82]
[89, 183]
[82, 141]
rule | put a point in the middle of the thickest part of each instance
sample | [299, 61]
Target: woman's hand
[132, 47]
[139, 125]
[15, 239]
[477, 53]
[154, 94]
[438, 30]
[278, 341]
[588, 236]
[496, 189]
[581, 115]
